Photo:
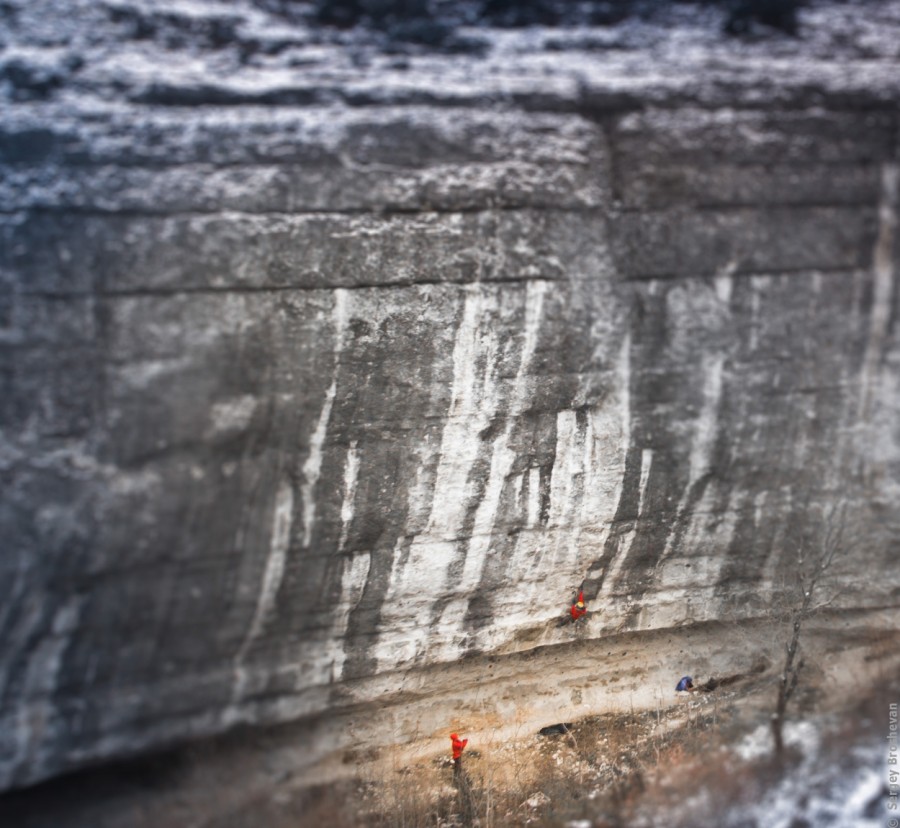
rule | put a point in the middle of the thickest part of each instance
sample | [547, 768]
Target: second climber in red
[458, 745]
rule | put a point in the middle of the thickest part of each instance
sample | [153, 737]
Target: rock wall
[338, 373]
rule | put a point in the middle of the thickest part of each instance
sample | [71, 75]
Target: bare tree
[814, 559]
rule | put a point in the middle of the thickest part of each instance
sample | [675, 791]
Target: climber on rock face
[458, 745]
[578, 609]
[686, 685]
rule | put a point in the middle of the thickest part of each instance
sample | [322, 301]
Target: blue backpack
[685, 684]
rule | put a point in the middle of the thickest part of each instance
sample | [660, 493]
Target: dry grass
[595, 771]
[675, 766]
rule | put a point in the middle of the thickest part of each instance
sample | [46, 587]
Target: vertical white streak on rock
[616, 565]
[518, 484]
[646, 462]
[704, 436]
[40, 682]
[502, 460]
[534, 496]
[534, 310]
[567, 465]
[758, 503]
[593, 479]
[567, 460]
[281, 536]
[614, 494]
[282, 520]
[351, 473]
[399, 643]
[502, 457]
[43, 667]
[627, 540]
[605, 451]
[422, 573]
[684, 595]
[705, 426]
[274, 572]
[586, 514]
[312, 468]
[724, 283]
[353, 583]
[625, 374]
[472, 405]
[883, 273]
[588, 461]
[758, 285]
[419, 497]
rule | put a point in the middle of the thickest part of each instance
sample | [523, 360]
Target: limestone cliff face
[301, 395]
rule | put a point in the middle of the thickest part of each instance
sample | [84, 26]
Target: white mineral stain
[282, 522]
[474, 401]
[351, 475]
[502, 460]
[312, 468]
[353, 582]
[705, 425]
[534, 497]
[422, 572]
[273, 573]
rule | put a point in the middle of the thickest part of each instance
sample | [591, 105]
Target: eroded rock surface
[322, 365]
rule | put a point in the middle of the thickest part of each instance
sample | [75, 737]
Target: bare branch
[820, 557]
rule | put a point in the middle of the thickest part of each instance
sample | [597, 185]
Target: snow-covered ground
[849, 793]
[843, 789]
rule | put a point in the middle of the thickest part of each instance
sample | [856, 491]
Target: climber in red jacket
[458, 745]
[578, 609]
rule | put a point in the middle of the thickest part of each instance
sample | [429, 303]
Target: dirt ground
[388, 763]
